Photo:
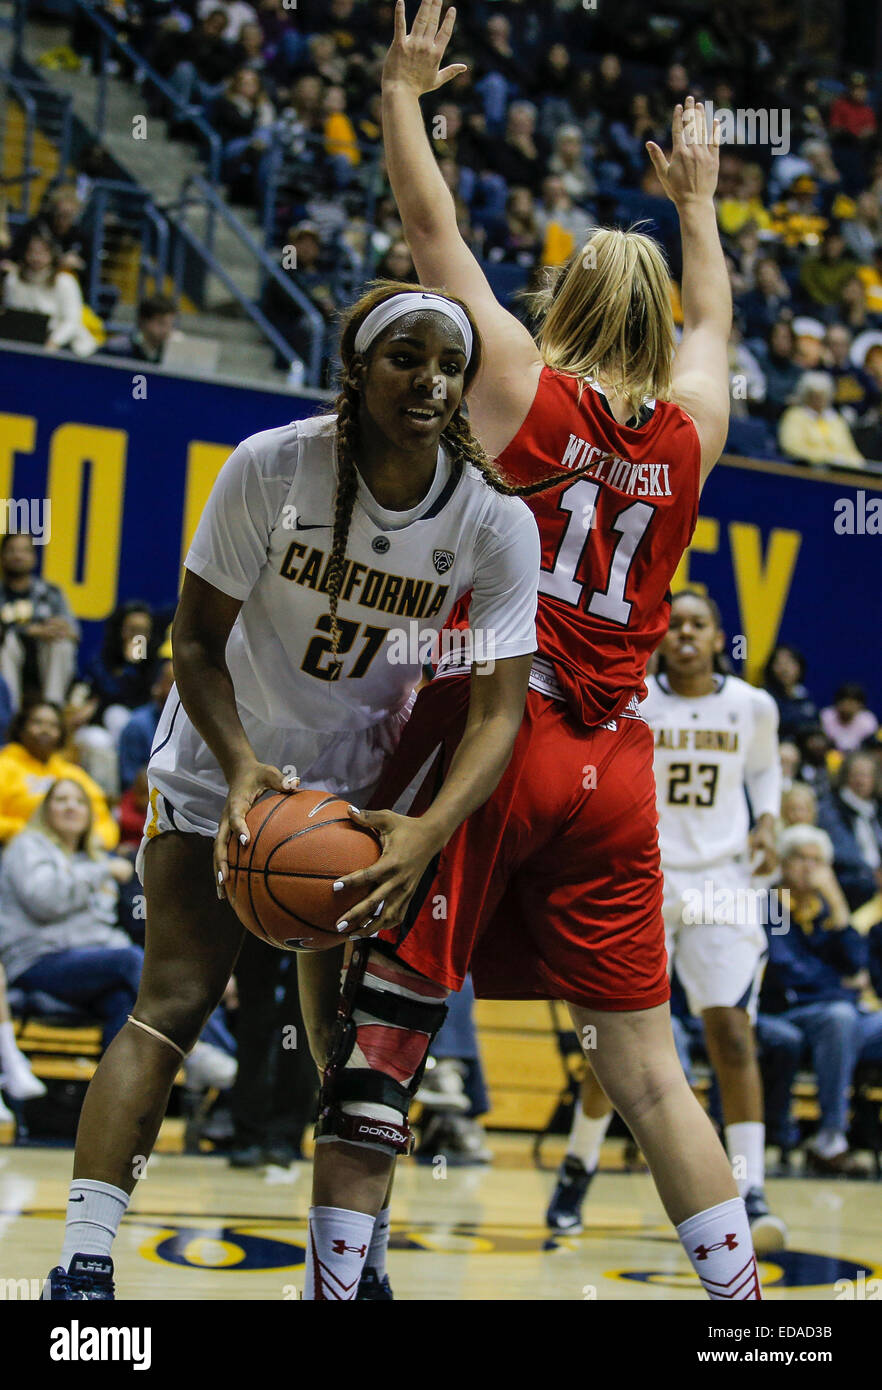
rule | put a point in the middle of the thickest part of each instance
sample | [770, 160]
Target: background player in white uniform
[715, 747]
[320, 542]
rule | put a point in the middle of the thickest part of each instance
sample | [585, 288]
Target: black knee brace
[345, 1085]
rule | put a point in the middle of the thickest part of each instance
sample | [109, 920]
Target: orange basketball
[281, 881]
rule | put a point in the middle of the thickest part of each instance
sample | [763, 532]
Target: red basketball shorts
[552, 889]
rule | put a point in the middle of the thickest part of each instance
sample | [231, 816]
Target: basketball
[281, 882]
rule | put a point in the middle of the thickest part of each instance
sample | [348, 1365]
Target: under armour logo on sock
[339, 1247]
[730, 1243]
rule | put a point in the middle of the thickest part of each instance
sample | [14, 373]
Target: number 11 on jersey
[559, 582]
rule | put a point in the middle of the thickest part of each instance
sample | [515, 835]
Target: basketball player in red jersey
[553, 889]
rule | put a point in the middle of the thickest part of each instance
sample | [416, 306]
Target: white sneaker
[6, 1115]
[19, 1081]
[442, 1086]
[208, 1066]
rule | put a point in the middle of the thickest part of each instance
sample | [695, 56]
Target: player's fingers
[400, 22]
[363, 914]
[446, 30]
[717, 133]
[448, 74]
[677, 128]
[238, 826]
[373, 924]
[273, 779]
[690, 123]
[221, 866]
[421, 23]
[702, 123]
[378, 821]
[657, 155]
[362, 878]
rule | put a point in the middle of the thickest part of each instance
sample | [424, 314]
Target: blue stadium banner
[126, 456]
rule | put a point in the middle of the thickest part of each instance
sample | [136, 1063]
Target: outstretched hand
[414, 59]
[691, 173]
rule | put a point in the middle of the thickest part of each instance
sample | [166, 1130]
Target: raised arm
[701, 364]
[505, 387]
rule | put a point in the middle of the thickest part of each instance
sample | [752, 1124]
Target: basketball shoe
[767, 1231]
[89, 1276]
[374, 1290]
[565, 1208]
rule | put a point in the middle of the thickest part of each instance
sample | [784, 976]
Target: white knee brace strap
[154, 1033]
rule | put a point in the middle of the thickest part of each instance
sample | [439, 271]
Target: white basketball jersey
[265, 538]
[710, 753]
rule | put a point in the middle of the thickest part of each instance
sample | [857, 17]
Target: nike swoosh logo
[76, 1199]
[312, 526]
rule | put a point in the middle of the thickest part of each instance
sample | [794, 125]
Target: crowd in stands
[542, 138]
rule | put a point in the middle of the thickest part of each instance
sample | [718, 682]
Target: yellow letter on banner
[762, 589]
[17, 435]
[204, 462]
[706, 539]
[71, 447]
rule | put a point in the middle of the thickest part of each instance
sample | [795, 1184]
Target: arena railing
[119, 213]
[29, 107]
[45, 110]
[368, 182]
[199, 194]
[110, 42]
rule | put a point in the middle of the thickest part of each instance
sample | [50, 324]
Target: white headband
[400, 304]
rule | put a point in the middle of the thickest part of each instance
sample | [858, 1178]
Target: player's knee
[734, 1047]
[387, 1021]
[635, 1096]
[179, 1017]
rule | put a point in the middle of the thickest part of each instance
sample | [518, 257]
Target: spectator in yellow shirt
[812, 431]
[870, 277]
[31, 762]
[340, 137]
[733, 213]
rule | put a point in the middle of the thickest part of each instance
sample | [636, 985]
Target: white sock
[586, 1137]
[335, 1253]
[94, 1211]
[720, 1250]
[376, 1255]
[746, 1147]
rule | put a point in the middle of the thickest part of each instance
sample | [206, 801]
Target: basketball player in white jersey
[716, 764]
[327, 558]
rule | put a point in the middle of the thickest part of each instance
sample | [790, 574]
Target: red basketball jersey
[611, 539]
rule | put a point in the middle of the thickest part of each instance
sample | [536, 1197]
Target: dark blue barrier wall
[127, 459]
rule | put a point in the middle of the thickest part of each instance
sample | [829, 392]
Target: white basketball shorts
[187, 788]
[714, 935]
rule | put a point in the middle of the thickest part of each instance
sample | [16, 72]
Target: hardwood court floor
[198, 1229]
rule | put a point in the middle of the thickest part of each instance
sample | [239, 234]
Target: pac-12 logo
[443, 559]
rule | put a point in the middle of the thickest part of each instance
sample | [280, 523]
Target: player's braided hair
[457, 435]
